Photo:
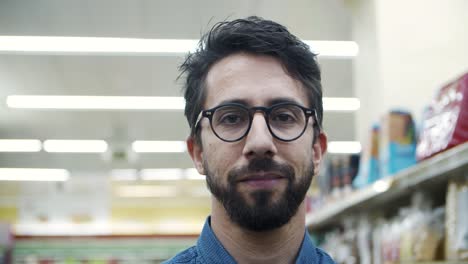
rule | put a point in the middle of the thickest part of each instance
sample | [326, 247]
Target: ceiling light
[334, 49]
[162, 174]
[132, 46]
[26, 174]
[94, 45]
[146, 191]
[192, 174]
[340, 104]
[135, 102]
[344, 147]
[75, 146]
[96, 102]
[166, 174]
[20, 145]
[141, 146]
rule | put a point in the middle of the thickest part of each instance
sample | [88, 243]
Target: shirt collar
[212, 251]
[307, 253]
[209, 247]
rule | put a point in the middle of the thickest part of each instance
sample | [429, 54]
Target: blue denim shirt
[209, 250]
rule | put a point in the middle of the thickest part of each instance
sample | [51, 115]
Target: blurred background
[93, 165]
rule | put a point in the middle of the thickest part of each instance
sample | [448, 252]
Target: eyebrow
[269, 102]
[235, 101]
[283, 100]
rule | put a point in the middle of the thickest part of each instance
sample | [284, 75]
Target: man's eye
[231, 119]
[284, 117]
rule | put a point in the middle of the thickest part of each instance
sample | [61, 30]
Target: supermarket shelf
[435, 171]
[135, 249]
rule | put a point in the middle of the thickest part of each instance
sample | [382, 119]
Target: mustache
[260, 165]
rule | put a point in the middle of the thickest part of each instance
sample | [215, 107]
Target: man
[254, 105]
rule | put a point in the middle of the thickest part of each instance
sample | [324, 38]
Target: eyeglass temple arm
[317, 121]
[200, 116]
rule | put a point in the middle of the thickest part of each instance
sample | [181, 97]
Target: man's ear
[196, 153]
[320, 148]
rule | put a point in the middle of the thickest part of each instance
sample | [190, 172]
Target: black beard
[264, 214]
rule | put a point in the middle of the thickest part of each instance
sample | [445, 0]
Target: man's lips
[262, 176]
[263, 180]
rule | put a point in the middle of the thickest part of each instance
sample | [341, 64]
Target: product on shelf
[456, 228]
[428, 236]
[445, 120]
[415, 235]
[323, 180]
[369, 170]
[338, 176]
[422, 233]
[377, 237]
[350, 169]
[407, 238]
[364, 240]
[390, 250]
[341, 247]
[344, 244]
[397, 148]
[422, 230]
[6, 242]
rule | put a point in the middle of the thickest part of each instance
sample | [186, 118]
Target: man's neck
[277, 246]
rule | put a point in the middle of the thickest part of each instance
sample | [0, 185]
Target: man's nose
[259, 142]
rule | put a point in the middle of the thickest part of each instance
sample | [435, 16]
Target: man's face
[261, 181]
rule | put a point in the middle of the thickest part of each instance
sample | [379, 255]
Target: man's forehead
[251, 80]
[236, 65]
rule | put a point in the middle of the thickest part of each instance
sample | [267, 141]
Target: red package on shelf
[445, 122]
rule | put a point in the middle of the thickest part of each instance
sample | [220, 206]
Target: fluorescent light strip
[20, 145]
[141, 146]
[340, 104]
[146, 191]
[334, 49]
[75, 146]
[344, 147]
[94, 46]
[133, 46]
[167, 174]
[25, 174]
[136, 102]
[192, 174]
[96, 102]
[63, 227]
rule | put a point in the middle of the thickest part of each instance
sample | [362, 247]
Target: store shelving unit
[124, 249]
[431, 173]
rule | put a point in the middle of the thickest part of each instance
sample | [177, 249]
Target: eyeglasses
[231, 122]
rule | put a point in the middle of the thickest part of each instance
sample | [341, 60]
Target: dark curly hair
[252, 35]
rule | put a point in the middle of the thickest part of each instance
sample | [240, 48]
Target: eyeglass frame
[308, 112]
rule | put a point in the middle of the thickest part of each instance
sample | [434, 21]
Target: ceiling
[131, 76]
[137, 75]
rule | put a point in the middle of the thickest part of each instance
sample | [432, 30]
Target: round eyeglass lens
[287, 121]
[230, 122]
